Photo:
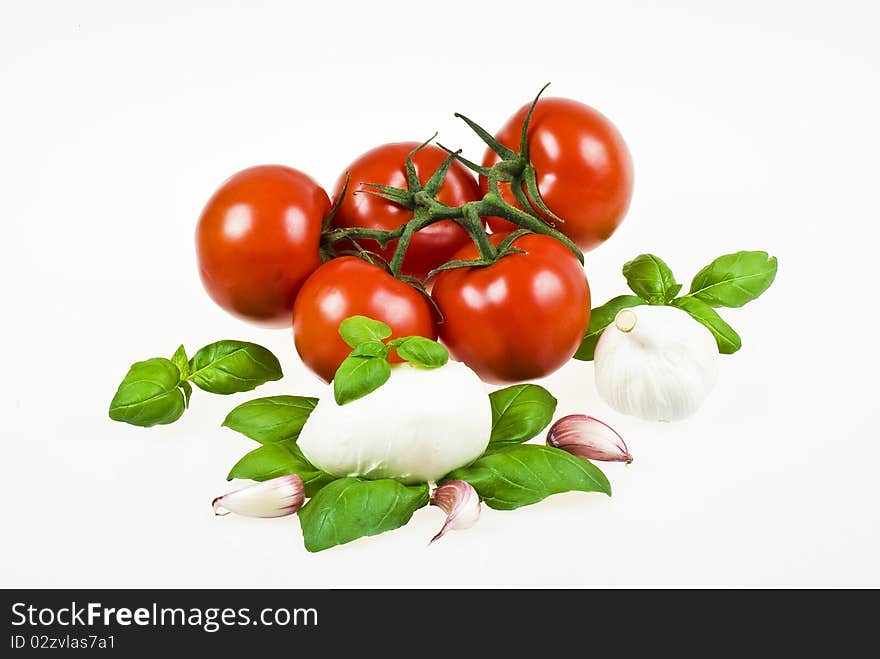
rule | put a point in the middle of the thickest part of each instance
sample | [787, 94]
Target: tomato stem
[479, 169]
[412, 178]
[358, 233]
[524, 135]
[494, 204]
[486, 136]
[513, 168]
[474, 226]
[534, 195]
[325, 223]
[421, 219]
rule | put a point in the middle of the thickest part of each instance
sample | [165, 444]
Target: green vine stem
[514, 168]
[327, 221]
[357, 233]
[421, 219]
[474, 226]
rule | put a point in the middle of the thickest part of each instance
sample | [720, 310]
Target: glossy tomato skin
[583, 168]
[522, 317]
[257, 241]
[385, 165]
[348, 286]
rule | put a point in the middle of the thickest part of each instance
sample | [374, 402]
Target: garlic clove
[273, 498]
[461, 503]
[588, 437]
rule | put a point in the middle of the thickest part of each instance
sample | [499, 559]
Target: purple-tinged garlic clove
[588, 437]
[277, 497]
[461, 503]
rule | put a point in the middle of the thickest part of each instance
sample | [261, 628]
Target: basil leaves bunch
[731, 280]
[339, 509]
[367, 367]
[510, 473]
[157, 391]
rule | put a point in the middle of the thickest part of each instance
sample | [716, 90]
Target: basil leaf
[519, 413]
[271, 419]
[351, 508]
[149, 394]
[358, 376]
[421, 351]
[228, 367]
[181, 361]
[651, 279]
[371, 349]
[523, 474]
[187, 390]
[728, 340]
[273, 460]
[600, 318]
[359, 329]
[733, 280]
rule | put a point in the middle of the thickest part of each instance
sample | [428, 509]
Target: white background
[753, 125]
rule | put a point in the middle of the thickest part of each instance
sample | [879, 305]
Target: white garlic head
[655, 362]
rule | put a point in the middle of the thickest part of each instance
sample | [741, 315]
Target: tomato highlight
[258, 239]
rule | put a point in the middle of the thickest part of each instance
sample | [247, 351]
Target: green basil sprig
[158, 390]
[360, 375]
[367, 367]
[522, 474]
[725, 336]
[230, 367]
[272, 419]
[731, 280]
[651, 279]
[420, 351]
[519, 413]
[276, 423]
[273, 460]
[150, 394]
[351, 508]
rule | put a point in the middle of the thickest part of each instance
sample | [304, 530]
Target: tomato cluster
[404, 241]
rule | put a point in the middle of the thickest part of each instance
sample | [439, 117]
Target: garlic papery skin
[277, 497]
[461, 503]
[416, 428]
[656, 363]
[588, 437]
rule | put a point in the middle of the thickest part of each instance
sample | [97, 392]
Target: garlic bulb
[656, 363]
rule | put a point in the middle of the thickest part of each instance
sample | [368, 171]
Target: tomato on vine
[520, 318]
[349, 286]
[385, 165]
[258, 240]
[573, 169]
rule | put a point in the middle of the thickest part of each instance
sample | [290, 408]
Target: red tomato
[257, 241]
[385, 165]
[583, 168]
[522, 317]
[348, 286]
